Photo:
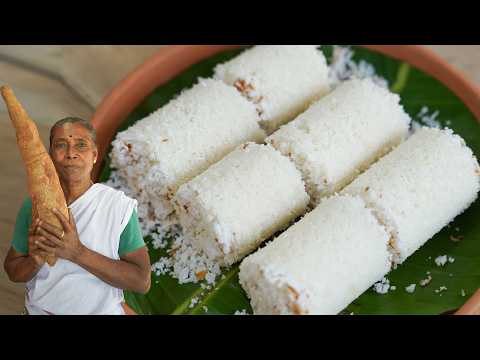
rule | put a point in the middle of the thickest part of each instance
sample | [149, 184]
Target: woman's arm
[23, 267]
[20, 267]
[132, 272]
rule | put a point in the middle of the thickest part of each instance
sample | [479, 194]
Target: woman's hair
[75, 120]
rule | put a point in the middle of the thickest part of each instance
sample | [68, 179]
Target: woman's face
[73, 152]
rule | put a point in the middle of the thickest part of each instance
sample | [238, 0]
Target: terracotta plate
[171, 61]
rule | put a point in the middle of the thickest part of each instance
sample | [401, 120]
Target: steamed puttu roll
[239, 202]
[182, 139]
[281, 80]
[320, 264]
[420, 187]
[342, 134]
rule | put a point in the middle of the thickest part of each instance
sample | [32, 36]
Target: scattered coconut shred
[382, 287]
[440, 289]
[343, 67]
[242, 312]
[427, 118]
[189, 265]
[441, 260]
[410, 288]
[425, 282]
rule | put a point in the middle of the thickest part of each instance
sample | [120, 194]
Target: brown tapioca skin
[42, 178]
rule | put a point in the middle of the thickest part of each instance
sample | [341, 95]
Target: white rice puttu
[182, 139]
[319, 265]
[420, 187]
[281, 80]
[239, 202]
[342, 134]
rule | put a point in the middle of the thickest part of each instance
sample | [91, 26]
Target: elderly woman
[100, 248]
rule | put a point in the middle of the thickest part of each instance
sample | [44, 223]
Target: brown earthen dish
[170, 61]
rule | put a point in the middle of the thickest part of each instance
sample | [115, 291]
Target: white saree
[101, 214]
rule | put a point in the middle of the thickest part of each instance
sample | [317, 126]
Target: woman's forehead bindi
[71, 131]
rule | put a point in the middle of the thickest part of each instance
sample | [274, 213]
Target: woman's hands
[131, 272]
[63, 243]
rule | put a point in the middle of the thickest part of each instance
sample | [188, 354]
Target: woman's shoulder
[24, 214]
[27, 204]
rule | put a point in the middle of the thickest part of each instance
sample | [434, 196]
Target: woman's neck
[73, 190]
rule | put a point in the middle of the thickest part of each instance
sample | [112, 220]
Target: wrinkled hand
[37, 254]
[63, 243]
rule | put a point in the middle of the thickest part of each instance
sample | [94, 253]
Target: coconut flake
[410, 288]
[441, 260]
[343, 67]
[241, 312]
[426, 281]
[382, 286]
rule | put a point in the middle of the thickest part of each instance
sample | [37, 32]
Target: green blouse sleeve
[20, 233]
[131, 238]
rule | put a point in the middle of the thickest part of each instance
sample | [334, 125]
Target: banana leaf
[460, 240]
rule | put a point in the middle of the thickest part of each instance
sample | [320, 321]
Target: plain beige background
[53, 82]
